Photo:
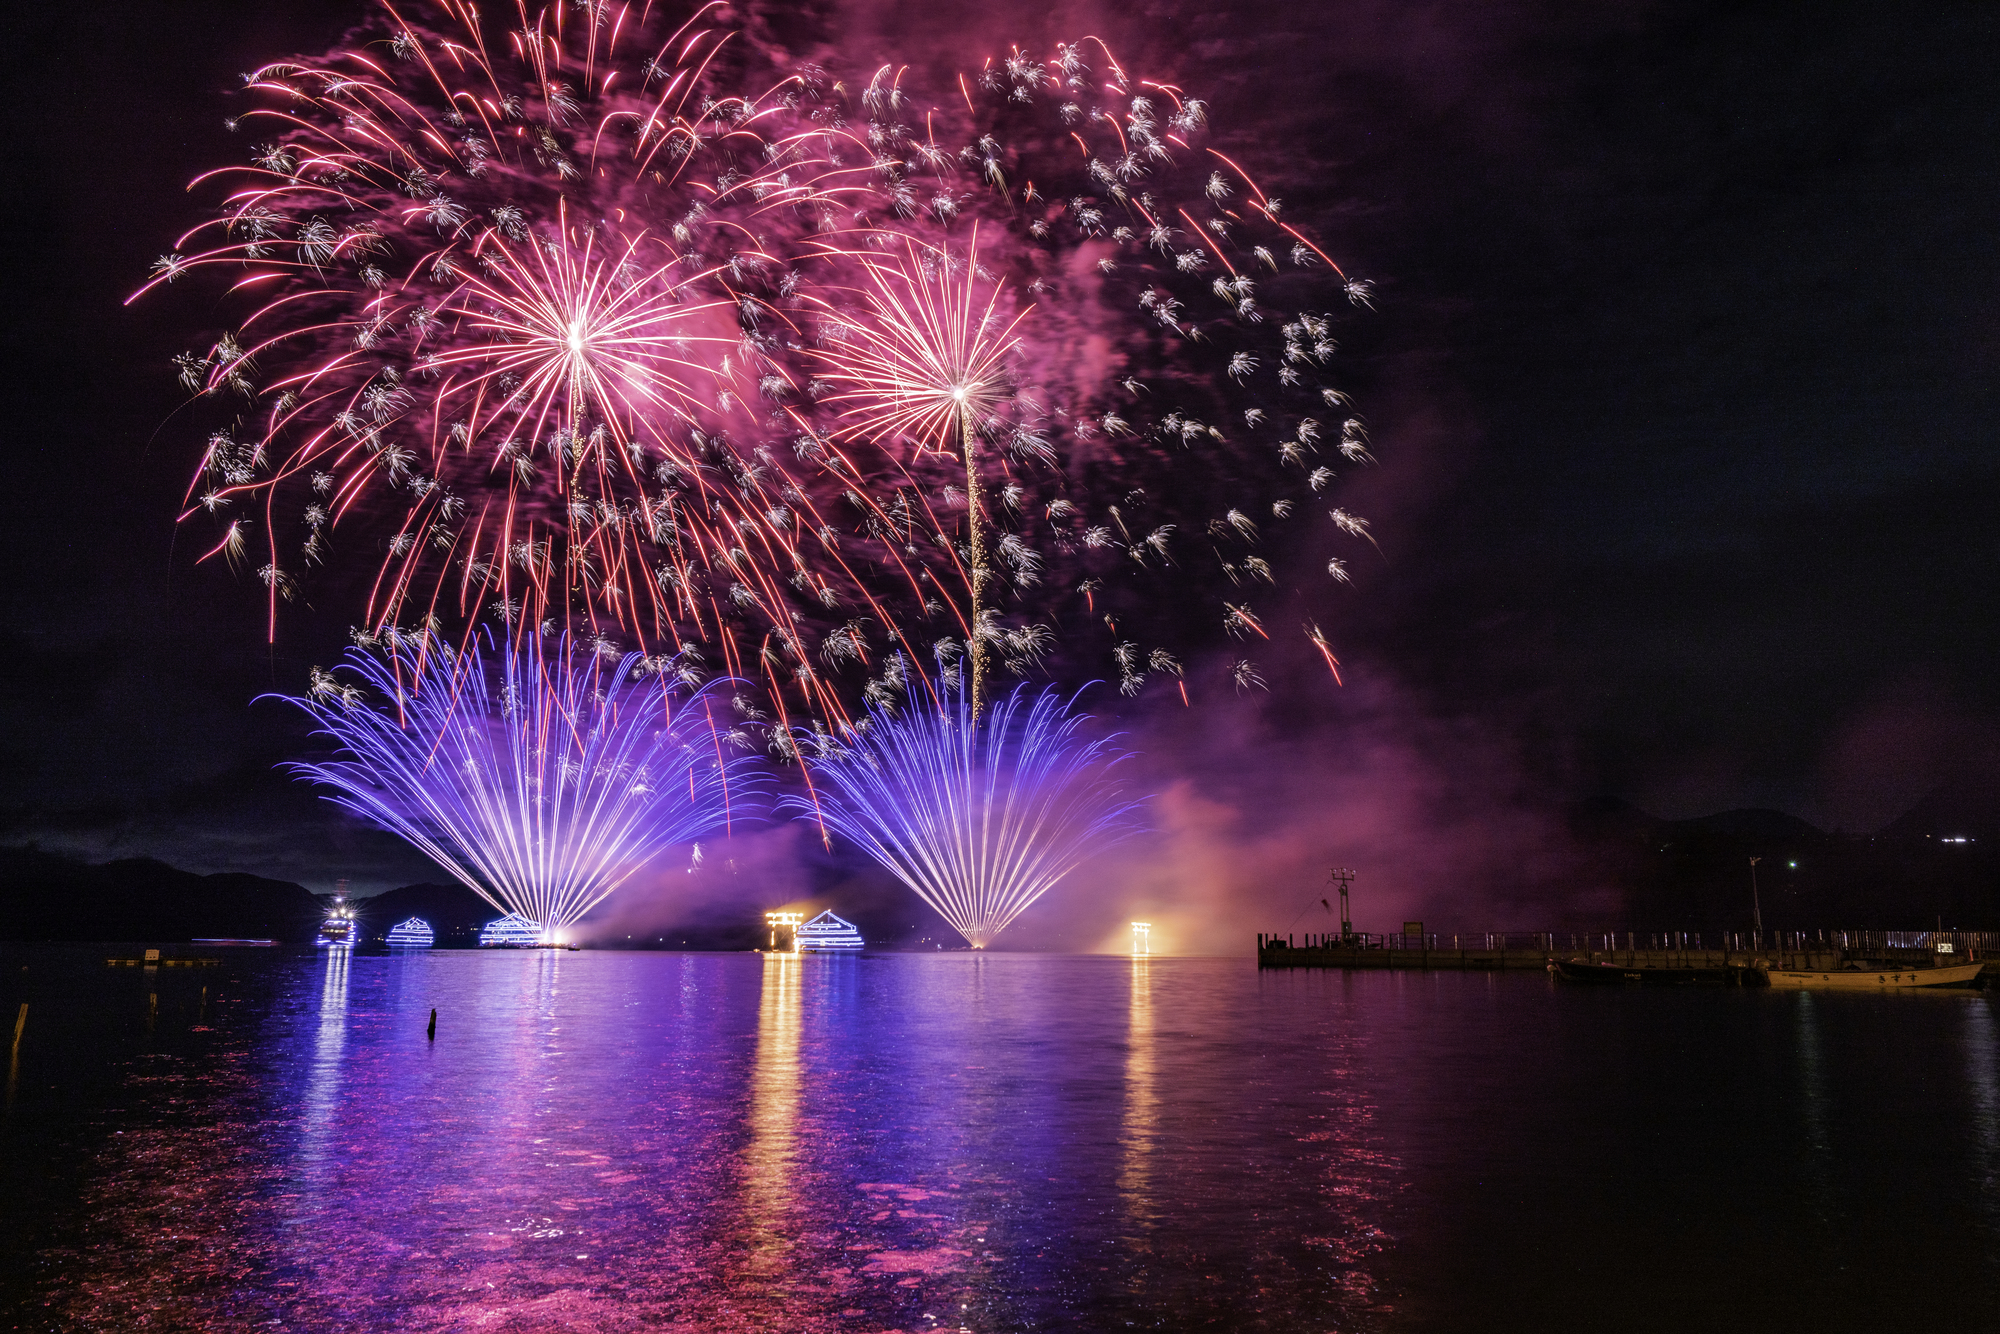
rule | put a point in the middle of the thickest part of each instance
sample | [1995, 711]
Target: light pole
[1756, 909]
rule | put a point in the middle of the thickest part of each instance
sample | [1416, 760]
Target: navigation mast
[1341, 878]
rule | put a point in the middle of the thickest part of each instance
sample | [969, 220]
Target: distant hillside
[1962, 810]
[1695, 875]
[1750, 823]
[46, 897]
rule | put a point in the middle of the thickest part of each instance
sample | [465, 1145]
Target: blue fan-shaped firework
[980, 816]
[542, 788]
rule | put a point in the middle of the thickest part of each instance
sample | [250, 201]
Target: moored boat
[1611, 974]
[1854, 977]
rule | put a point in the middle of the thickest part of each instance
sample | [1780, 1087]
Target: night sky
[1682, 381]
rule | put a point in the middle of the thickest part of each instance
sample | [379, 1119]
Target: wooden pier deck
[1507, 953]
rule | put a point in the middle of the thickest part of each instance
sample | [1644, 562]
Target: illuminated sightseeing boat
[341, 926]
[510, 932]
[413, 934]
[827, 934]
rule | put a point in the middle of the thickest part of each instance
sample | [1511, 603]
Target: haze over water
[611, 1141]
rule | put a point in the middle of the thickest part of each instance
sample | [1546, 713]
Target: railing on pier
[1519, 949]
[1961, 942]
[1495, 942]
[1986, 943]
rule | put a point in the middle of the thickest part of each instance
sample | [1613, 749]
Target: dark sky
[1683, 383]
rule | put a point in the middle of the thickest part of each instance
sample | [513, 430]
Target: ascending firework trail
[927, 360]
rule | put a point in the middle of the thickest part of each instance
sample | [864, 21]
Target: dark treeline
[48, 897]
[44, 896]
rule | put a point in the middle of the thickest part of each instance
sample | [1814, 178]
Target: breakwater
[1501, 951]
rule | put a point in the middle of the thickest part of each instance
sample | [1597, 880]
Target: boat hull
[1611, 974]
[1878, 979]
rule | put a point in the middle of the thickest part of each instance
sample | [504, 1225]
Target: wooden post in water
[432, 1032]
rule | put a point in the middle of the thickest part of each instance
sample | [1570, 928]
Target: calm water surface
[612, 1141]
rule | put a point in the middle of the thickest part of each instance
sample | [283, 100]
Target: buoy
[433, 1028]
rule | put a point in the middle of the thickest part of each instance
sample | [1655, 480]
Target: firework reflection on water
[728, 1142]
[999, 1141]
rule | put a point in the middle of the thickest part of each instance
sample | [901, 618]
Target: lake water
[626, 1141]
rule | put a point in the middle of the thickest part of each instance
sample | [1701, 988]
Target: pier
[1504, 951]
[153, 959]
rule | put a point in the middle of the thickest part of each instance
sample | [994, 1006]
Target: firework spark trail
[928, 359]
[1120, 441]
[554, 316]
[979, 816]
[524, 327]
[543, 796]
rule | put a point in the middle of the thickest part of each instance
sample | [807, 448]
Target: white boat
[1875, 979]
[827, 934]
[413, 934]
[511, 932]
[341, 927]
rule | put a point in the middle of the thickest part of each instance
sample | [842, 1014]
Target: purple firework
[980, 816]
[541, 790]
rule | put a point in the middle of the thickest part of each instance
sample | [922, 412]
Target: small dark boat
[1611, 974]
